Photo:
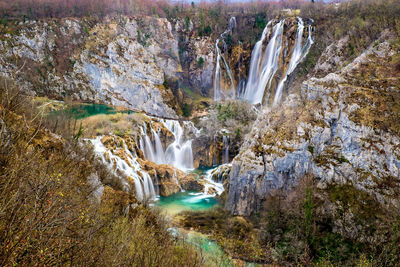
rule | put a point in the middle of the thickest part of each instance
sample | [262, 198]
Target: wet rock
[169, 179]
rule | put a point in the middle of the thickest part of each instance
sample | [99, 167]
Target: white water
[298, 54]
[218, 76]
[210, 184]
[128, 166]
[178, 154]
[261, 77]
[263, 66]
[252, 79]
[226, 142]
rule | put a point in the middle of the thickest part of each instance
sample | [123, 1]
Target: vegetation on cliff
[310, 226]
[49, 212]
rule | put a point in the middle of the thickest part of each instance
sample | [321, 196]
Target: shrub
[48, 213]
[200, 62]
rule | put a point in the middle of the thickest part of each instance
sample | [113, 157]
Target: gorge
[267, 132]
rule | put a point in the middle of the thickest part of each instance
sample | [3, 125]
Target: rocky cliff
[120, 61]
[341, 128]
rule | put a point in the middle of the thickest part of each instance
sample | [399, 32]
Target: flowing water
[178, 154]
[218, 76]
[184, 201]
[264, 64]
[267, 65]
[125, 163]
[298, 54]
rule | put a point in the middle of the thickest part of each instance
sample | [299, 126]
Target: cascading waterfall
[178, 154]
[218, 75]
[263, 66]
[298, 54]
[129, 166]
[269, 65]
[252, 79]
[210, 184]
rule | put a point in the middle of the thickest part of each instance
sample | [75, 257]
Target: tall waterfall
[263, 66]
[218, 77]
[298, 54]
[127, 165]
[269, 62]
[178, 154]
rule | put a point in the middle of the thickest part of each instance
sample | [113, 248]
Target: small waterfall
[127, 165]
[226, 142]
[210, 184]
[178, 154]
[218, 94]
[159, 156]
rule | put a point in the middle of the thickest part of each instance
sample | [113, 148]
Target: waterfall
[252, 79]
[127, 165]
[269, 65]
[218, 75]
[226, 142]
[298, 54]
[263, 66]
[178, 154]
[210, 184]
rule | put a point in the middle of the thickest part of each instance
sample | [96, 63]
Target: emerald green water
[81, 111]
[184, 201]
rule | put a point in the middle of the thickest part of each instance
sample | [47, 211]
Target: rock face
[171, 180]
[340, 129]
[123, 62]
[201, 67]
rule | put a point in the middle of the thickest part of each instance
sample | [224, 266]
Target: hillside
[156, 133]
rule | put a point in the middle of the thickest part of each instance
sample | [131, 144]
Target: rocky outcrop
[169, 179]
[341, 129]
[121, 61]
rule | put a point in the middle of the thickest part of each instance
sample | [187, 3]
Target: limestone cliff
[120, 61]
[342, 129]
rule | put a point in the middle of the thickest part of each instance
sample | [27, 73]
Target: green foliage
[260, 21]
[79, 133]
[342, 159]
[311, 149]
[142, 38]
[308, 211]
[187, 23]
[187, 110]
[229, 40]
[4, 21]
[351, 47]
[200, 62]
[237, 133]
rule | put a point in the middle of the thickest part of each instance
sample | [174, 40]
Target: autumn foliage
[78, 8]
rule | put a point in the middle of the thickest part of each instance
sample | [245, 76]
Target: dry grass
[47, 213]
